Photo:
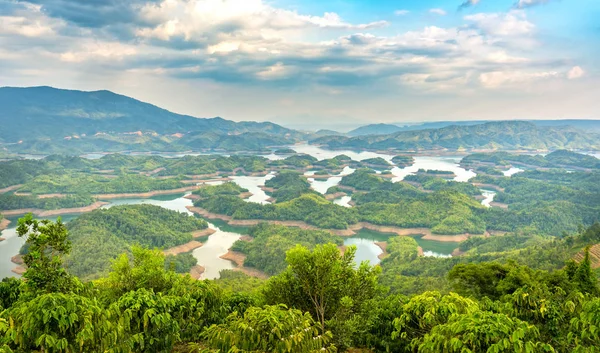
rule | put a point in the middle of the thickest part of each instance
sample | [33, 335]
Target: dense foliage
[322, 301]
[100, 236]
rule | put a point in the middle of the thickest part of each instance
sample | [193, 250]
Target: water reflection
[253, 185]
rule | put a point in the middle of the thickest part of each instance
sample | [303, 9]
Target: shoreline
[61, 211]
[10, 188]
[350, 231]
[4, 223]
[184, 248]
[148, 194]
[238, 259]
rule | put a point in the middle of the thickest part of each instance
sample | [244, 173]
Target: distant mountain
[325, 132]
[504, 135]
[375, 129]
[101, 119]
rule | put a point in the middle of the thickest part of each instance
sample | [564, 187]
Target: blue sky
[303, 63]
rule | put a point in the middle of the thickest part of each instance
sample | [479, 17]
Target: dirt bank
[499, 204]
[182, 249]
[4, 224]
[488, 186]
[50, 213]
[20, 270]
[197, 271]
[17, 259]
[10, 188]
[238, 259]
[337, 195]
[383, 246]
[203, 233]
[146, 194]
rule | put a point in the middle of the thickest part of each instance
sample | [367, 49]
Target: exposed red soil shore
[10, 188]
[4, 224]
[146, 194]
[203, 233]
[50, 213]
[238, 259]
[197, 271]
[182, 249]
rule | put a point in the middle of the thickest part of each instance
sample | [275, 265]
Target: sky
[316, 63]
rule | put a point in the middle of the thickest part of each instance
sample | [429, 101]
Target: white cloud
[521, 4]
[401, 12]
[496, 79]
[575, 73]
[440, 12]
[513, 23]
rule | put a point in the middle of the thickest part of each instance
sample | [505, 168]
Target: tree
[47, 243]
[270, 329]
[482, 331]
[585, 277]
[317, 282]
[425, 311]
[57, 322]
[584, 334]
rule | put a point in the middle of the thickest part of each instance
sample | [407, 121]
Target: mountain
[97, 118]
[374, 129]
[507, 135]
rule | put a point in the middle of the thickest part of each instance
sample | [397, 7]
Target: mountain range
[44, 120]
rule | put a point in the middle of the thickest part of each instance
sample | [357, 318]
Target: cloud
[522, 4]
[513, 23]
[440, 12]
[401, 12]
[252, 43]
[575, 73]
[468, 3]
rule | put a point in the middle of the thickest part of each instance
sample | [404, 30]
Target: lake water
[343, 201]
[450, 164]
[367, 250]
[512, 171]
[218, 243]
[489, 197]
[321, 186]
[253, 185]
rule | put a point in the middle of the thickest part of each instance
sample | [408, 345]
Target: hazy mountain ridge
[509, 135]
[56, 113]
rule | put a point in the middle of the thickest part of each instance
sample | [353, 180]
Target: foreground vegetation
[319, 301]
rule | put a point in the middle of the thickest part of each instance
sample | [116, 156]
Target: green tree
[585, 277]
[273, 329]
[317, 281]
[57, 322]
[482, 331]
[48, 243]
[425, 311]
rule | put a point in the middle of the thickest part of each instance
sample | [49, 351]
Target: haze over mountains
[49, 120]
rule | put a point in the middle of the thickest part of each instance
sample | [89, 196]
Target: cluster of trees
[556, 159]
[79, 183]
[229, 188]
[100, 236]
[435, 183]
[288, 185]
[266, 251]
[310, 208]
[14, 202]
[321, 301]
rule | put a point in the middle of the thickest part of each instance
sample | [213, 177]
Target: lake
[219, 242]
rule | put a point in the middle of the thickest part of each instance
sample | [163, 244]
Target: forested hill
[506, 135]
[55, 114]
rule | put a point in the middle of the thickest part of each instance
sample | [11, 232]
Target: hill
[507, 135]
[46, 117]
[375, 129]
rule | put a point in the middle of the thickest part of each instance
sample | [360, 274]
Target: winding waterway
[218, 243]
